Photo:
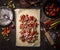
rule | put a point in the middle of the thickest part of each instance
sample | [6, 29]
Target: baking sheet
[30, 12]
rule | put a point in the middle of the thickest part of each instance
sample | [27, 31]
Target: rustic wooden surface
[10, 45]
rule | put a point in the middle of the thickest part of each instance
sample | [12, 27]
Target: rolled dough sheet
[30, 12]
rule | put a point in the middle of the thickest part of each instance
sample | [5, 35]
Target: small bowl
[6, 16]
[51, 9]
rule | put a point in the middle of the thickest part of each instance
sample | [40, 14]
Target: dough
[31, 12]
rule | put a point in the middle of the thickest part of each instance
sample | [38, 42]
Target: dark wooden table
[10, 45]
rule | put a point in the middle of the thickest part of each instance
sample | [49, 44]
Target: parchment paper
[30, 12]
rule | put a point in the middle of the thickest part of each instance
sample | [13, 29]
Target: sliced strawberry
[23, 31]
[50, 10]
[31, 18]
[53, 14]
[35, 24]
[22, 38]
[21, 26]
[32, 33]
[27, 18]
[29, 38]
[57, 9]
[22, 18]
[52, 5]
[31, 24]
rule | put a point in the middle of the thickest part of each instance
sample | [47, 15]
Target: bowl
[51, 9]
[6, 16]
